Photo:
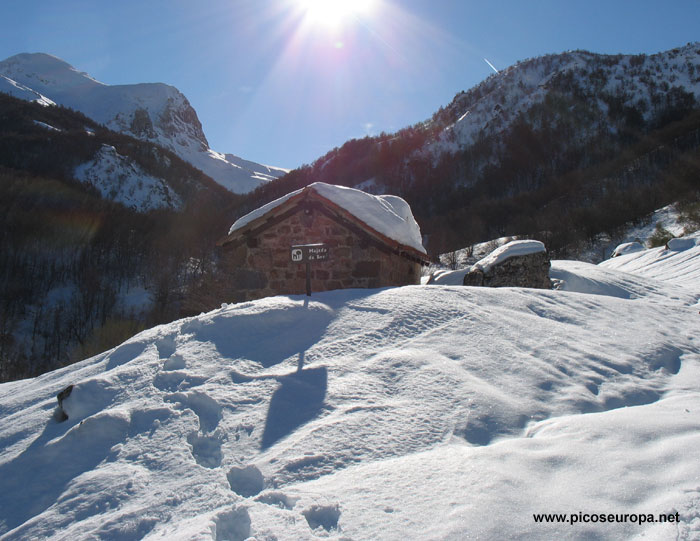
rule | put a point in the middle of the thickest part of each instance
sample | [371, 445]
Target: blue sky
[281, 83]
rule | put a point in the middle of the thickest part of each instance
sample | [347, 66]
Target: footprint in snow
[666, 357]
[246, 481]
[174, 362]
[322, 516]
[206, 450]
[232, 525]
[208, 410]
[166, 346]
[176, 380]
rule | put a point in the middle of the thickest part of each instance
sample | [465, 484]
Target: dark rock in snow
[530, 270]
[60, 415]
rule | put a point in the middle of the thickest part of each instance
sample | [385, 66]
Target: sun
[335, 12]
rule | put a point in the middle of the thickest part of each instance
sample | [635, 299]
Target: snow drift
[413, 412]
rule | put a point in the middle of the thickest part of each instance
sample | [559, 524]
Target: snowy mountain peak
[153, 112]
[41, 70]
[639, 81]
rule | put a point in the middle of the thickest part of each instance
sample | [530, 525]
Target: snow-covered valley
[426, 412]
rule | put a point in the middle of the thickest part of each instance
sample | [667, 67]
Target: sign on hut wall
[309, 252]
[306, 253]
[322, 236]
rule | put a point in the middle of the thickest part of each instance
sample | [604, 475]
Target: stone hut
[520, 263]
[369, 241]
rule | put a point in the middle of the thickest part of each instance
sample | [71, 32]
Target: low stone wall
[262, 267]
[519, 271]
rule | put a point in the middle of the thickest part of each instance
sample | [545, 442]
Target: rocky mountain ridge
[576, 142]
[636, 85]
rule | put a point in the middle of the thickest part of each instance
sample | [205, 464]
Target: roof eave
[259, 224]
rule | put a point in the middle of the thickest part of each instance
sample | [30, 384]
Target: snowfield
[121, 180]
[424, 412]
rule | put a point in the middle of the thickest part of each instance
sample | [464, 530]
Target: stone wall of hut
[260, 265]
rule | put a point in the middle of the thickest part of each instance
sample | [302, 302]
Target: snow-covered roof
[512, 249]
[388, 215]
[261, 211]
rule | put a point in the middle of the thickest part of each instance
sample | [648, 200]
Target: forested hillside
[103, 234]
[560, 148]
[78, 272]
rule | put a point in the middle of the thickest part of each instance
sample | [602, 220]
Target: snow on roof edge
[261, 211]
[389, 215]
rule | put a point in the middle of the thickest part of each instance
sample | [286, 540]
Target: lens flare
[334, 12]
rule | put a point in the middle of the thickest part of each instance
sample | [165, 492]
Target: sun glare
[335, 12]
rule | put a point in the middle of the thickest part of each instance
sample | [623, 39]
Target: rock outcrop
[516, 264]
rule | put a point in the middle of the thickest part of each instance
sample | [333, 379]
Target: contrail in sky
[491, 65]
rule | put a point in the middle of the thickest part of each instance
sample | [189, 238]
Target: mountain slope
[62, 143]
[100, 234]
[639, 87]
[561, 147]
[430, 412]
[152, 112]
